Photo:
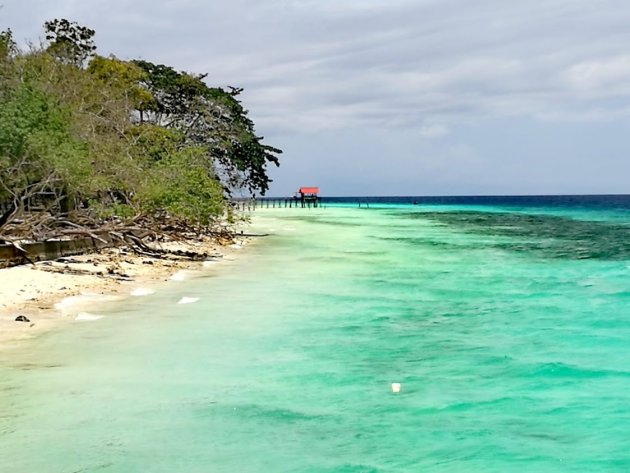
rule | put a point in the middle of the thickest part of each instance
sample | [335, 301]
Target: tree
[98, 142]
[69, 41]
[38, 155]
[8, 47]
[212, 119]
[184, 187]
[125, 76]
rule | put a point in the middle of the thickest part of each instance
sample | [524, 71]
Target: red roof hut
[309, 190]
[308, 196]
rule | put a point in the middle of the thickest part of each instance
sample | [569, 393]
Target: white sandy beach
[43, 292]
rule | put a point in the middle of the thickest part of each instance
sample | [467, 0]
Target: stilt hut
[309, 196]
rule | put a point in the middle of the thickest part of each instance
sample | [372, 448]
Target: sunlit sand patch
[188, 300]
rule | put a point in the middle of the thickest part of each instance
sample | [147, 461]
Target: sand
[43, 293]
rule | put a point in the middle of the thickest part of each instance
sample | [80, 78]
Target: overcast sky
[398, 97]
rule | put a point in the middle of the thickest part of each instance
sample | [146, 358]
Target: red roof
[309, 190]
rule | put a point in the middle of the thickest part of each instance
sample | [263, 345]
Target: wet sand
[43, 293]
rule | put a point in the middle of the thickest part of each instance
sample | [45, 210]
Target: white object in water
[208, 263]
[142, 291]
[87, 317]
[66, 303]
[396, 387]
[179, 276]
[188, 300]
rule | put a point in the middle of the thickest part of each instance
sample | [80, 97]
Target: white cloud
[601, 77]
[433, 131]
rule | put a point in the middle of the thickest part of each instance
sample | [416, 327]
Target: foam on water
[188, 300]
[508, 340]
[87, 317]
[179, 276]
[142, 291]
[85, 299]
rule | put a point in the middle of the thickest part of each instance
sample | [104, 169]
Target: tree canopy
[90, 136]
[211, 119]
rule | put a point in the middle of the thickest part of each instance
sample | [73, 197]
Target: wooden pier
[273, 203]
[305, 198]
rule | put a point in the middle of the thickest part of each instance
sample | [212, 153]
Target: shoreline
[52, 293]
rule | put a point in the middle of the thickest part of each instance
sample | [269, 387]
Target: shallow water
[507, 328]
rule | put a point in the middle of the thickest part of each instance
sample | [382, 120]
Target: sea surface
[505, 320]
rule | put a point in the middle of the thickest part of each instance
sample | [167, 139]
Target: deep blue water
[620, 202]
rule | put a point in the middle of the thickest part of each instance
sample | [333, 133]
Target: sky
[398, 97]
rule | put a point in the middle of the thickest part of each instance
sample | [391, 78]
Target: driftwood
[43, 211]
[109, 273]
[143, 234]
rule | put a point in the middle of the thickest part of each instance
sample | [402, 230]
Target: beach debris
[112, 271]
[396, 387]
[188, 300]
[87, 317]
[67, 260]
[17, 245]
[142, 291]
[22, 318]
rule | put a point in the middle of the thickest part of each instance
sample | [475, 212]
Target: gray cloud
[320, 64]
[311, 67]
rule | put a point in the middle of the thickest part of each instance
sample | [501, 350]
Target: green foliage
[124, 76]
[35, 143]
[182, 185]
[118, 138]
[214, 120]
[152, 143]
[115, 210]
[174, 93]
[8, 47]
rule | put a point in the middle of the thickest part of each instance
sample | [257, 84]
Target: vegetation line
[92, 144]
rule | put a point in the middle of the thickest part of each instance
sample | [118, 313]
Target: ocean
[506, 321]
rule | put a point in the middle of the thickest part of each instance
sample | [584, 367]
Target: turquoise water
[508, 329]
